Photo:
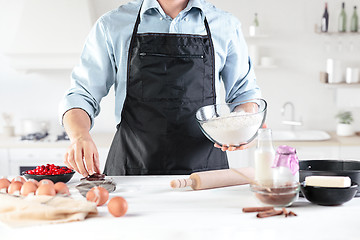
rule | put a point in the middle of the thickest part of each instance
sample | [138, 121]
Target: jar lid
[286, 150]
[286, 157]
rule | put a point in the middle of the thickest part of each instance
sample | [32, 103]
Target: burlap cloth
[35, 210]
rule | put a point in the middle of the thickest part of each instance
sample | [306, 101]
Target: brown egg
[4, 184]
[46, 189]
[34, 181]
[61, 188]
[14, 188]
[47, 181]
[98, 195]
[28, 188]
[18, 179]
[117, 206]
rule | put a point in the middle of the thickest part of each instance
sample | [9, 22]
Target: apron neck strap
[135, 30]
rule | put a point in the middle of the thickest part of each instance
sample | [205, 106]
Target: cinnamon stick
[286, 213]
[269, 213]
[291, 213]
[256, 209]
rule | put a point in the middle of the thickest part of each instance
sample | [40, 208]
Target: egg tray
[86, 185]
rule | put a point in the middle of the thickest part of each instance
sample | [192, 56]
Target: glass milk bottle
[286, 166]
[264, 157]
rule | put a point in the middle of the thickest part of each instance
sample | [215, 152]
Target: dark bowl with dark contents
[95, 180]
[94, 177]
[350, 168]
[328, 196]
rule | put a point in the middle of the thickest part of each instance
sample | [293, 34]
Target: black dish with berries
[49, 171]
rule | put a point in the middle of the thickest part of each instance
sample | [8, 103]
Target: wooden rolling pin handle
[181, 183]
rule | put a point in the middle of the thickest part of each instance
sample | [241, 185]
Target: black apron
[169, 77]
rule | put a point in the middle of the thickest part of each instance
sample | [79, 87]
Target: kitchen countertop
[353, 140]
[105, 139]
[333, 141]
[101, 140]
[158, 212]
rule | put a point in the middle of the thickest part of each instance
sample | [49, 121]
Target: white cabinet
[4, 162]
[318, 152]
[21, 159]
[350, 152]
[15, 160]
[245, 158]
[32, 45]
[36, 154]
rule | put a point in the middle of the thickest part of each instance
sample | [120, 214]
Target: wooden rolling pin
[216, 179]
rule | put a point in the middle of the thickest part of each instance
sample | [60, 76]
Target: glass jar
[286, 166]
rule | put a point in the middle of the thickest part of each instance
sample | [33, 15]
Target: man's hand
[232, 148]
[82, 155]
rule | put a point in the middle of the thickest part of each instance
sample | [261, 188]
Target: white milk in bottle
[264, 157]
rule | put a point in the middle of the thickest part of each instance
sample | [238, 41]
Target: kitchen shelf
[339, 34]
[342, 85]
[259, 37]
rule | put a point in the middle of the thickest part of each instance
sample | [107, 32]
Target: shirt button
[161, 18]
[186, 19]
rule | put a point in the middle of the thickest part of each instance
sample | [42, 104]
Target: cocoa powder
[277, 196]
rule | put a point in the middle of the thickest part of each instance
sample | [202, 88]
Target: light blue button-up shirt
[104, 58]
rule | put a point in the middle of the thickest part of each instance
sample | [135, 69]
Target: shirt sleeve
[238, 74]
[93, 77]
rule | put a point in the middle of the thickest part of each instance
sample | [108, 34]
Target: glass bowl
[277, 195]
[232, 124]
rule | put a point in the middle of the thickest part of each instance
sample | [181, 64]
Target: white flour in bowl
[234, 128]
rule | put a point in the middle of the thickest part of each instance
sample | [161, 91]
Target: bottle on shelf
[342, 19]
[254, 28]
[256, 21]
[264, 157]
[325, 19]
[354, 24]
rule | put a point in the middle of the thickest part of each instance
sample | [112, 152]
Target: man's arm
[238, 76]
[91, 80]
[82, 155]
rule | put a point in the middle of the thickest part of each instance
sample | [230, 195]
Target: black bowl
[55, 178]
[328, 196]
[348, 168]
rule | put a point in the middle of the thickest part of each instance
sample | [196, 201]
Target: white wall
[299, 53]
[32, 96]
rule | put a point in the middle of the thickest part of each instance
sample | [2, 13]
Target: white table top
[158, 212]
